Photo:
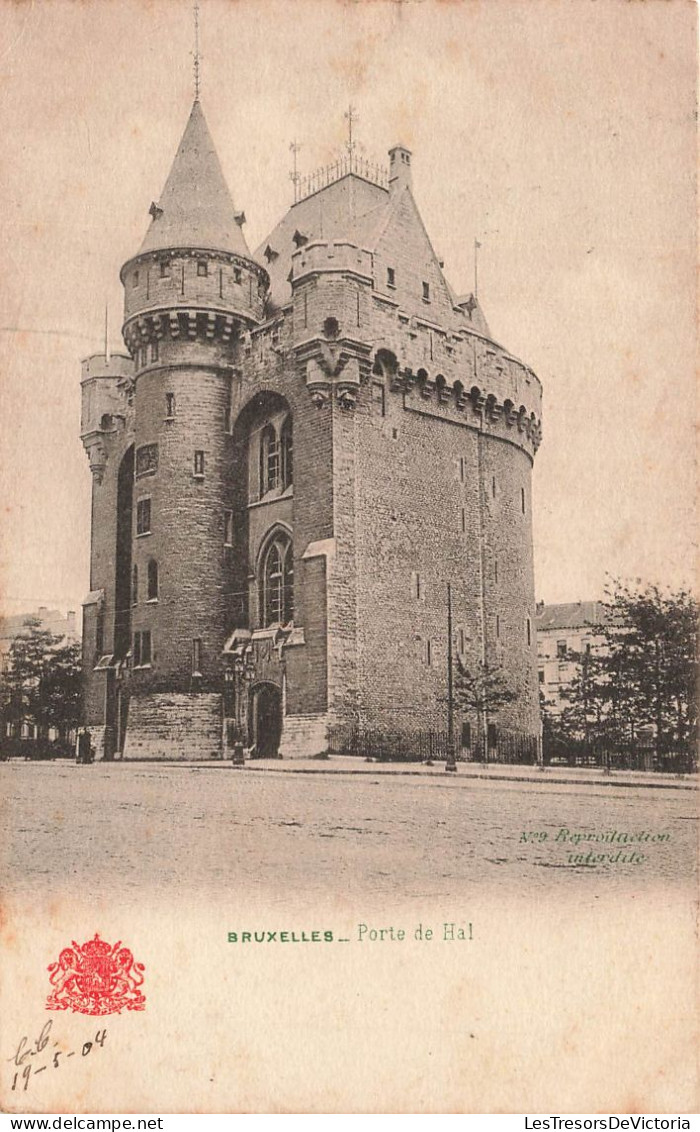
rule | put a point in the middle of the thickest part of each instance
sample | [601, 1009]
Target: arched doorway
[266, 720]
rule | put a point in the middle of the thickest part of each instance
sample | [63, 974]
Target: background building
[63, 627]
[563, 632]
[302, 448]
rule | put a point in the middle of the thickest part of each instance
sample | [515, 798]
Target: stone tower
[308, 445]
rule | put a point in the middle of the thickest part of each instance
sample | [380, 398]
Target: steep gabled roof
[350, 209]
[195, 209]
[572, 615]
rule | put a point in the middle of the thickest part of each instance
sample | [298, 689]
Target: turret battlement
[105, 386]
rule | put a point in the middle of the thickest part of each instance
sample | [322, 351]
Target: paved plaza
[370, 835]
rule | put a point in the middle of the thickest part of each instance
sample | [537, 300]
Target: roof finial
[195, 53]
[477, 245]
[351, 117]
[295, 176]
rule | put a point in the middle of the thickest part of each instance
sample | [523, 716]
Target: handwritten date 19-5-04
[29, 1052]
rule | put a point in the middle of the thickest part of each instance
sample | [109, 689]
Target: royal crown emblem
[96, 977]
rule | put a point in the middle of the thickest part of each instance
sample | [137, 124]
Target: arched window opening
[385, 364]
[269, 460]
[278, 583]
[287, 453]
[152, 580]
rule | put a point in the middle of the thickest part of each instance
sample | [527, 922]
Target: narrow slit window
[228, 528]
[287, 454]
[426, 292]
[378, 403]
[152, 588]
[199, 462]
[143, 517]
[390, 277]
[269, 460]
[196, 656]
[169, 406]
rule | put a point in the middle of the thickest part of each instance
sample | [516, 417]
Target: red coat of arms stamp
[96, 977]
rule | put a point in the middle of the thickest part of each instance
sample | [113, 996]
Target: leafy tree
[640, 676]
[42, 681]
[482, 689]
[62, 688]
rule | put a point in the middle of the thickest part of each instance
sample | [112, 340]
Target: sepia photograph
[348, 617]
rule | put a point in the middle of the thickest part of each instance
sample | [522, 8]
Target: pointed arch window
[277, 589]
[269, 460]
[287, 453]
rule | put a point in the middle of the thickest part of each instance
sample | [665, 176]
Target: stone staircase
[303, 736]
[174, 725]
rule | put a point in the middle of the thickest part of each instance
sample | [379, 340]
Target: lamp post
[232, 736]
[451, 762]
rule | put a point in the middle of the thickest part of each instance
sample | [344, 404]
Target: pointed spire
[195, 209]
[196, 56]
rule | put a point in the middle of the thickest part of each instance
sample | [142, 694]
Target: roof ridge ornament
[195, 54]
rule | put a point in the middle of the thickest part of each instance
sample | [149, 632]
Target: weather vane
[351, 117]
[195, 53]
[295, 176]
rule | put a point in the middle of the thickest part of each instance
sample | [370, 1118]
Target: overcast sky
[559, 132]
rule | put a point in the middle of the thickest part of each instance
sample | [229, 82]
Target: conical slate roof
[195, 209]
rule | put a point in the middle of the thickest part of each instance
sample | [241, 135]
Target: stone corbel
[320, 395]
[97, 456]
[478, 401]
[400, 379]
[347, 396]
[510, 413]
[494, 411]
[444, 394]
[461, 398]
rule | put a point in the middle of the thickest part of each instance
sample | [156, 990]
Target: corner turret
[105, 387]
[194, 276]
[399, 168]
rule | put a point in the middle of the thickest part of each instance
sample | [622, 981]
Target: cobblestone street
[213, 829]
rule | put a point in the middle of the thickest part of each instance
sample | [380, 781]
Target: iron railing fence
[671, 759]
[427, 745]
